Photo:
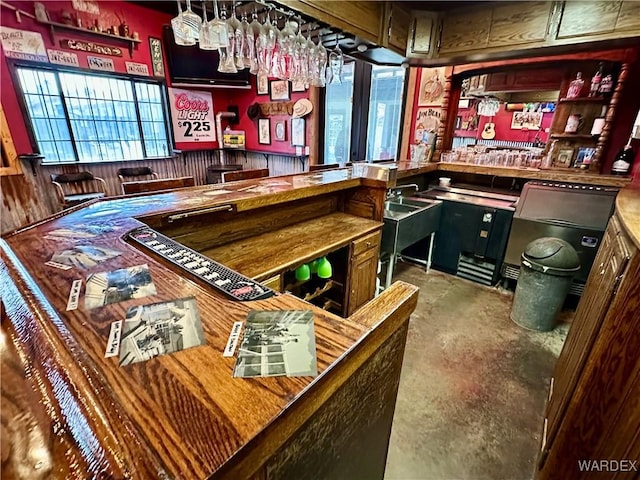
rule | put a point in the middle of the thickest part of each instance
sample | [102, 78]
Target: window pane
[338, 106]
[385, 105]
[103, 115]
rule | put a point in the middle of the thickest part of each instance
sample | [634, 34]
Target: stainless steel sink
[407, 220]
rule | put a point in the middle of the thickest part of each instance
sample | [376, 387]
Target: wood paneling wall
[28, 198]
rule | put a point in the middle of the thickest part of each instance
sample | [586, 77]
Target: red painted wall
[148, 23]
[504, 132]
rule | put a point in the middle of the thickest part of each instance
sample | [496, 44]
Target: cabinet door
[362, 288]
[629, 17]
[396, 28]
[361, 18]
[519, 23]
[463, 31]
[608, 267]
[422, 36]
[582, 18]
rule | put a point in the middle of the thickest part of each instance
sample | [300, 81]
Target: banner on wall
[192, 115]
[23, 44]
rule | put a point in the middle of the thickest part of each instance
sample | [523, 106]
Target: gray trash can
[547, 268]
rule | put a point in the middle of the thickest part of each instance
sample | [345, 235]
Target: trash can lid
[551, 255]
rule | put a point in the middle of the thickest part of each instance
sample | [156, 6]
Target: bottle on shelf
[595, 81]
[575, 87]
[624, 159]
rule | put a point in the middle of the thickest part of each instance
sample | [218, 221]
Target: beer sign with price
[192, 116]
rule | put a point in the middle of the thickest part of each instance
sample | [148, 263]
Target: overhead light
[362, 48]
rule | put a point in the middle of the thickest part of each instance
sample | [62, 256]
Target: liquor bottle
[623, 161]
[575, 87]
[595, 81]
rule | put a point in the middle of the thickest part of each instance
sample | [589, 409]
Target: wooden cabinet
[363, 19]
[585, 21]
[499, 27]
[517, 29]
[592, 410]
[422, 39]
[519, 80]
[363, 271]
[395, 28]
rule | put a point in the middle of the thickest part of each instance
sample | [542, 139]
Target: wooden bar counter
[69, 412]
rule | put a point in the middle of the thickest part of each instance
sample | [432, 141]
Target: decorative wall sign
[86, 6]
[297, 86]
[431, 86]
[281, 131]
[297, 132]
[276, 108]
[91, 47]
[100, 63]
[427, 121]
[192, 115]
[280, 90]
[262, 85]
[157, 60]
[23, 45]
[63, 58]
[264, 131]
[137, 68]
[526, 120]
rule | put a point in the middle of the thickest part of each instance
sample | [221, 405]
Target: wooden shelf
[574, 136]
[268, 254]
[584, 100]
[61, 26]
[568, 175]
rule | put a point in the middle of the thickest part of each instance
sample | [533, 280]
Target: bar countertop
[181, 415]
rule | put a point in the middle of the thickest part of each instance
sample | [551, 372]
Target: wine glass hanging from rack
[261, 47]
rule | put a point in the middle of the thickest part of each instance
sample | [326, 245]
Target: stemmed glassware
[227, 53]
[181, 33]
[191, 22]
[262, 48]
[336, 62]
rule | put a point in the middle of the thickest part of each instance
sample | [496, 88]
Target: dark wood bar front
[184, 415]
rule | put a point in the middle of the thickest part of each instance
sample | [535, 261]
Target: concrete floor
[473, 385]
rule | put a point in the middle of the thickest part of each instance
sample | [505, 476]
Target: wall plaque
[157, 61]
[137, 68]
[23, 44]
[91, 47]
[100, 63]
[63, 58]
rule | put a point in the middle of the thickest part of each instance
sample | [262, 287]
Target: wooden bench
[244, 174]
[143, 186]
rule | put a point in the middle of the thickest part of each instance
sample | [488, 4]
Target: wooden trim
[615, 55]
[408, 113]
[8, 148]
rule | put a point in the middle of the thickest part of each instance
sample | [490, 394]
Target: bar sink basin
[407, 220]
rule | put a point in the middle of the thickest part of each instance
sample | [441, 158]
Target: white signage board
[63, 58]
[137, 68]
[100, 63]
[23, 45]
[192, 115]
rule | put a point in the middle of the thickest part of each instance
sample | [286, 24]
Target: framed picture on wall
[297, 132]
[279, 90]
[431, 90]
[584, 157]
[264, 131]
[262, 85]
[526, 120]
[280, 131]
[565, 155]
[297, 86]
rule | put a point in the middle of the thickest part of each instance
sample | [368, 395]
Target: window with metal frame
[362, 114]
[83, 117]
